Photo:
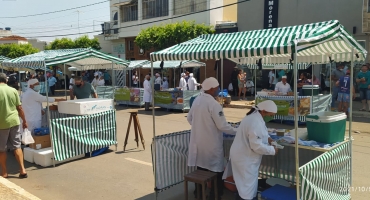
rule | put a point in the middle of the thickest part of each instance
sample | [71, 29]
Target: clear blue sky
[53, 24]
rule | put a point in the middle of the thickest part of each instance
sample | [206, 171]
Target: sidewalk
[10, 191]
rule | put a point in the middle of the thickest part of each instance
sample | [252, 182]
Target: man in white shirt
[71, 84]
[272, 79]
[165, 83]
[158, 82]
[250, 86]
[147, 97]
[283, 86]
[183, 84]
[192, 82]
[32, 104]
[208, 123]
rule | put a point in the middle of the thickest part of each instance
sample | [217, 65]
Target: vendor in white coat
[283, 86]
[208, 124]
[192, 82]
[250, 144]
[183, 84]
[32, 104]
[147, 92]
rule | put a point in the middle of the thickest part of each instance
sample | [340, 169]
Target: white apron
[147, 97]
[250, 144]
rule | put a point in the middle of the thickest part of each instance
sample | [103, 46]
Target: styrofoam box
[44, 157]
[28, 154]
[85, 106]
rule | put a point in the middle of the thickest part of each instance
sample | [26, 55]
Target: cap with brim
[32, 82]
[268, 106]
[283, 77]
[210, 83]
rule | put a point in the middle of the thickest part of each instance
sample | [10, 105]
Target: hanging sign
[271, 14]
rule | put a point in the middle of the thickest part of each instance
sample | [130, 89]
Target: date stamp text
[355, 189]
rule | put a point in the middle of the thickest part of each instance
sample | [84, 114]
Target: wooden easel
[137, 128]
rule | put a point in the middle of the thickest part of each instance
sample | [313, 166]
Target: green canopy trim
[300, 66]
[314, 42]
[87, 57]
[175, 64]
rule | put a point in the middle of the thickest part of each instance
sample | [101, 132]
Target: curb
[17, 190]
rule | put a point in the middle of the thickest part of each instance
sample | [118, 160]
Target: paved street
[129, 175]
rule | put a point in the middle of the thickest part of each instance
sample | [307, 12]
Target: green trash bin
[326, 127]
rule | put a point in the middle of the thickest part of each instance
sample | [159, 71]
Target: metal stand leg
[116, 146]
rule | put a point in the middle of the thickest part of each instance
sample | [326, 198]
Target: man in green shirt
[363, 78]
[82, 89]
[10, 136]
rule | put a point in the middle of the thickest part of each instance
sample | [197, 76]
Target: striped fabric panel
[315, 42]
[73, 136]
[171, 159]
[301, 66]
[327, 176]
[105, 92]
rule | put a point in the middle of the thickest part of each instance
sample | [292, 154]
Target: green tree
[17, 50]
[81, 42]
[166, 35]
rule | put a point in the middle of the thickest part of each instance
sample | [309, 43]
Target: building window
[188, 6]
[362, 43]
[131, 45]
[155, 8]
[115, 18]
[129, 13]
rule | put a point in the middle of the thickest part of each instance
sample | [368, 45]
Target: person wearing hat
[344, 92]
[183, 84]
[165, 83]
[158, 82]
[192, 82]
[32, 104]
[283, 86]
[251, 142]
[95, 81]
[208, 123]
[250, 86]
[147, 97]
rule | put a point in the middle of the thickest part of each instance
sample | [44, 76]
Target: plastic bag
[231, 87]
[27, 137]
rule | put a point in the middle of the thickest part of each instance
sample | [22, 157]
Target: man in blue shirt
[52, 81]
[363, 78]
[343, 85]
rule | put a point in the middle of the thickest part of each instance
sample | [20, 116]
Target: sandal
[362, 109]
[23, 175]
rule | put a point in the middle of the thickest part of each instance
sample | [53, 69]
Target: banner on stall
[168, 97]
[286, 106]
[128, 94]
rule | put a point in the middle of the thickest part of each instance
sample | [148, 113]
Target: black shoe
[23, 175]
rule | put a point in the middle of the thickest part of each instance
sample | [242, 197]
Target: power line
[175, 17]
[58, 11]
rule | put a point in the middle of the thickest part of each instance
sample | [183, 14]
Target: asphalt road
[129, 175]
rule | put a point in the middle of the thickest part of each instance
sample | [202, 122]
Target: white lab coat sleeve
[277, 87]
[190, 116]
[256, 144]
[38, 97]
[220, 120]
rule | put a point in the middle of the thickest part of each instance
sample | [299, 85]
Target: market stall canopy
[175, 64]
[300, 66]
[138, 63]
[2, 58]
[315, 43]
[85, 59]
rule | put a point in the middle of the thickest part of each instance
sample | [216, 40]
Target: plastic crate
[41, 131]
[326, 127]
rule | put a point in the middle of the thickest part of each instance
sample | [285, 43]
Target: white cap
[182, 74]
[283, 77]
[157, 74]
[164, 78]
[96, 74]
[32, 82]
[191, 74]
[72, 74]
[268, 106]
[210, 83]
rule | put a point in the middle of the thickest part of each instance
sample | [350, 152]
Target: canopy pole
[350, 117]
[19, 78]
[138, 84]
[330, 78]
[153, 113]
[113, 76]
[296, 121]
[48, 112]
[312, 83]
[255, 85]
[174, 82]
[65, 80]
[222, 82]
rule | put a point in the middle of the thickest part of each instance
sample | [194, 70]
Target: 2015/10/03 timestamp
[355, 189]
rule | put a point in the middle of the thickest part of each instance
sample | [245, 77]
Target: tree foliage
[17, 50]
[166, 35]
[81, 42]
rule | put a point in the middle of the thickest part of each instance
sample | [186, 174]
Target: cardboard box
[41, 142]
[85, 106]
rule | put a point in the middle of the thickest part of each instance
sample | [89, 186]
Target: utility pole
[78, 17]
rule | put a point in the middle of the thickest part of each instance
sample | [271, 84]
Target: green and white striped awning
[175, 64]
[300, 66]
[314, 42]
[138, 63]
[81, 58]
[2, 58]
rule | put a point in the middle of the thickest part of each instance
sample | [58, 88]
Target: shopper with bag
[10, 136]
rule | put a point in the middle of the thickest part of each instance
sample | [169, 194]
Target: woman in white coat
[250, 144]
